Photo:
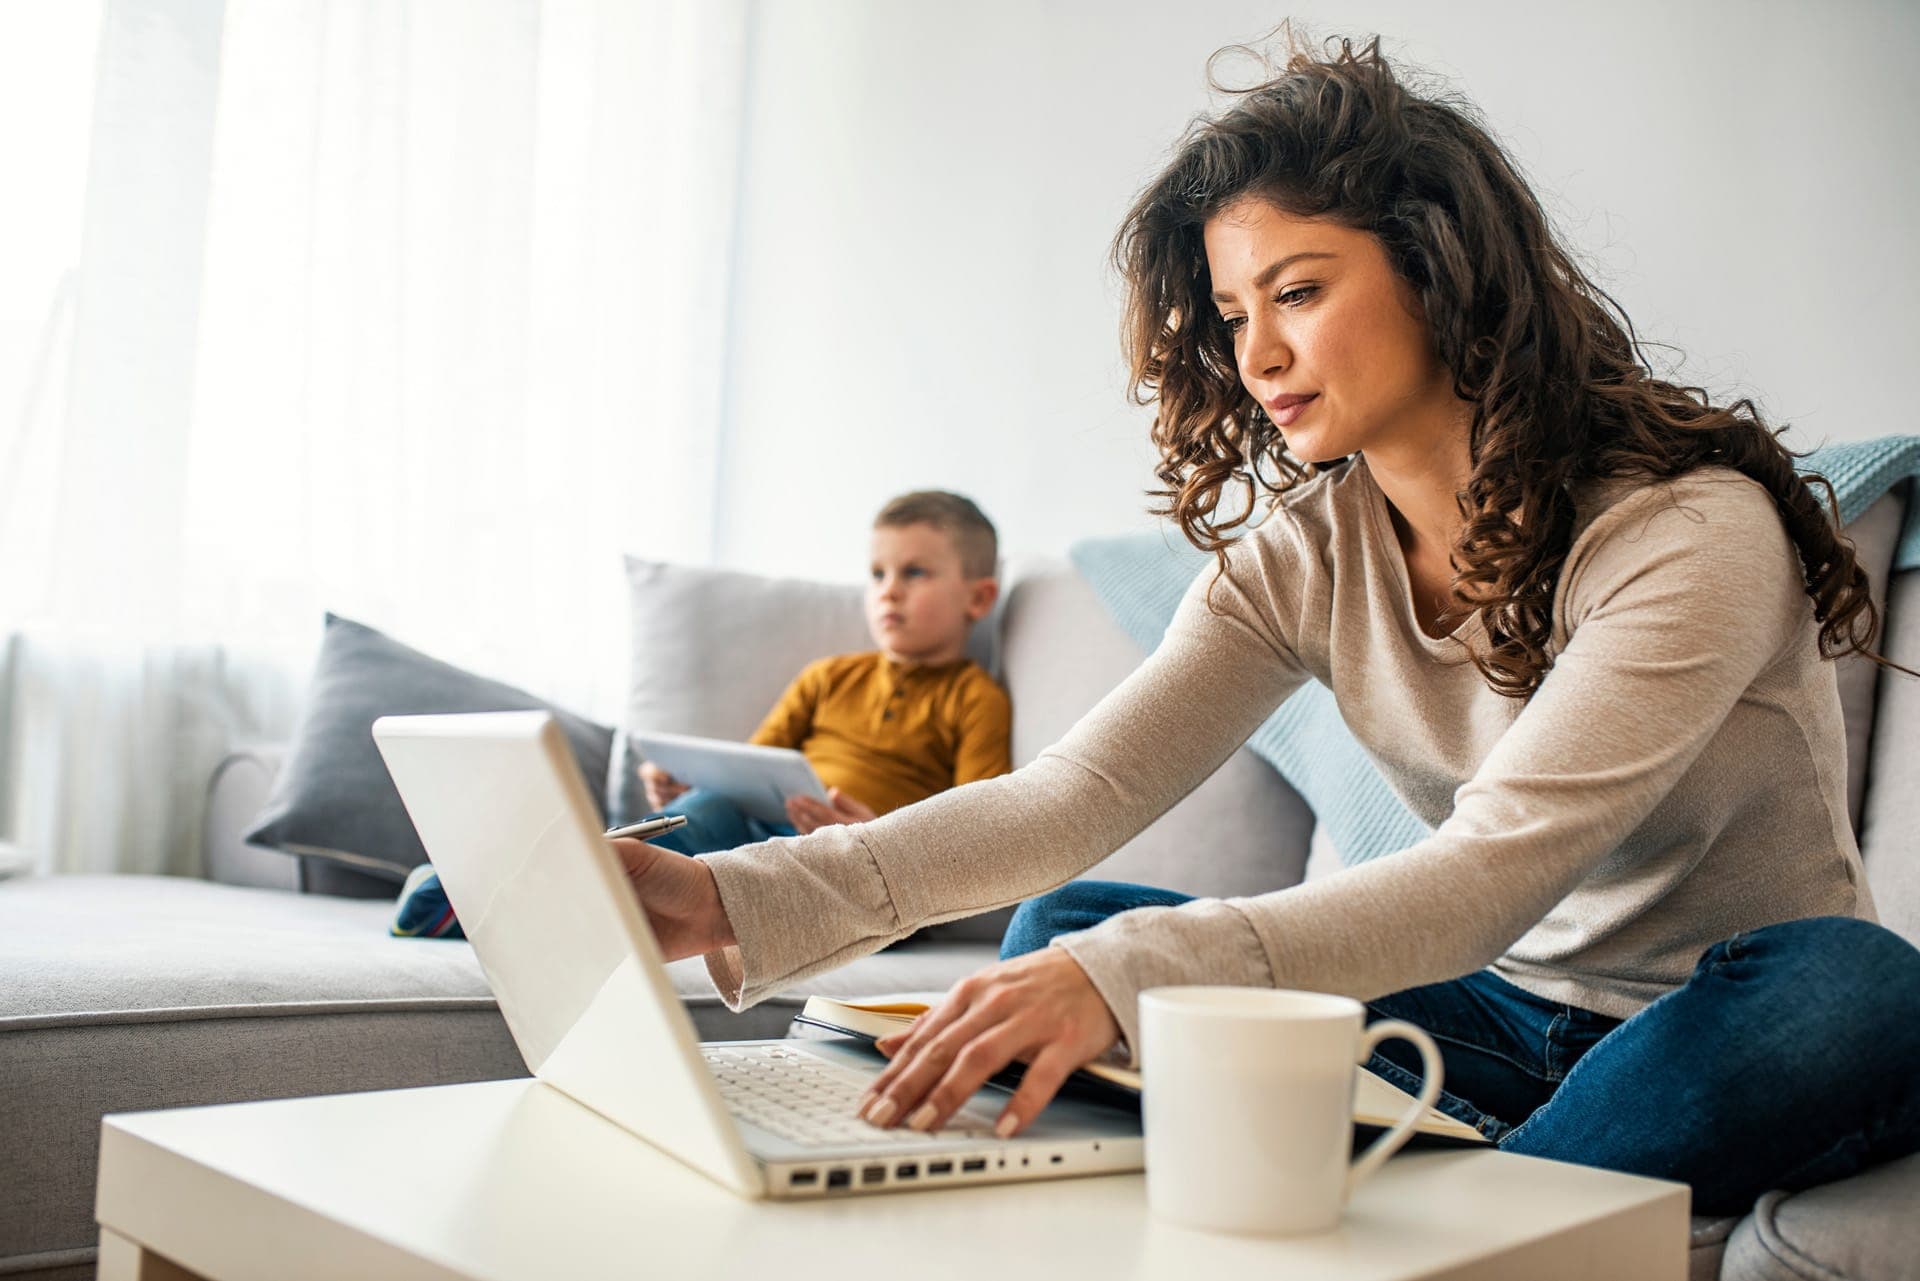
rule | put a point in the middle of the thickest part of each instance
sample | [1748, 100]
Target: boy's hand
[662, 788]
[807, 814]
[679, 896]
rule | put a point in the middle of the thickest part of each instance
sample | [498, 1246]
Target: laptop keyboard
[809, 1100]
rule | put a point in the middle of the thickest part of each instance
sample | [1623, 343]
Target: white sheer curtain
[410, 311]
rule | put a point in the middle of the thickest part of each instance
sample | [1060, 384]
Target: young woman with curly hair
[1582, 618]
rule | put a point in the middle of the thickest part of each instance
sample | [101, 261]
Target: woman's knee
[1822, 955]
[1075, 906]
[1835, 980]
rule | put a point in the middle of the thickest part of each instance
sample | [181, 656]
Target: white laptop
[506, 818]
[757, 779]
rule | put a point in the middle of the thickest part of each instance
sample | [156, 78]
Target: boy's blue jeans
[1791, 1057]
[713, 823]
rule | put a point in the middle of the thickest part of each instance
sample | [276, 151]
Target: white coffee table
[511, 1179]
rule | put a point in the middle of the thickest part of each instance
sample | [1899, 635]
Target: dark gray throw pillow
[334, 804]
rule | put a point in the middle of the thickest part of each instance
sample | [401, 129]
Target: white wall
[921, 295]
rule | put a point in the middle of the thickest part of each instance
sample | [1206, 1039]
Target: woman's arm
[800, 905]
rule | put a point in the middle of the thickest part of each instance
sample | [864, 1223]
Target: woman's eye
[1296, 297]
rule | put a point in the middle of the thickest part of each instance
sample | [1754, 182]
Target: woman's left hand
[1040, 1008]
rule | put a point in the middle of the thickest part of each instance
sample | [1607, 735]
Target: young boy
[882, 729]
[885, 728]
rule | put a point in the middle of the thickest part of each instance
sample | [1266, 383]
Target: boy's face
[920, 603]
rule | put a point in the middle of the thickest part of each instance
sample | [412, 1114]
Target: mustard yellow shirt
[888, 734]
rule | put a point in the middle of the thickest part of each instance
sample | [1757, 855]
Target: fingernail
[1008, 1124]
[883, 1111]
[923, 1119]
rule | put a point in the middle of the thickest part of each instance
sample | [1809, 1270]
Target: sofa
[128, 993]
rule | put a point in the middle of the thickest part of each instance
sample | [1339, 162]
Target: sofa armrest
[236, 794]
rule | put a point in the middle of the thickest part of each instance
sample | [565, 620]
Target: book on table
[1377, 1103]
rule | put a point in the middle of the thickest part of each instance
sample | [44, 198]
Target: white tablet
[757, 779]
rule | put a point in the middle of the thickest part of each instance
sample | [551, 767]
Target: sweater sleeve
[1675, 610]
[800, 905]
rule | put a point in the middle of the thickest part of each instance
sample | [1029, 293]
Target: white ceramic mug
[1249, 1105]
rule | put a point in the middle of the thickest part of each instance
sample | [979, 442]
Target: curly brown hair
[1549, 363]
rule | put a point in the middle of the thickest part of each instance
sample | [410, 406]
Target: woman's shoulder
[1709, 527]
[1717, 503]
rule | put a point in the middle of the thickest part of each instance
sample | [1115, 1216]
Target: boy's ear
[981, 595]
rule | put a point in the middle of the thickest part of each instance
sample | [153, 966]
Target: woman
[1581, 618]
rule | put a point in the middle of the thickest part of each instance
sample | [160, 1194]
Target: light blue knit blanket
[1141, 578]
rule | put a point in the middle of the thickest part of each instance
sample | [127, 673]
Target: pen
[652, 827]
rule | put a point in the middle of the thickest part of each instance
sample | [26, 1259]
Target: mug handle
[1387, 1144]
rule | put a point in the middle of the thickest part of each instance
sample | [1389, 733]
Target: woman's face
[1317, 311]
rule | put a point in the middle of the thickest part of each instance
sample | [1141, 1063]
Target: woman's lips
[1283, 410]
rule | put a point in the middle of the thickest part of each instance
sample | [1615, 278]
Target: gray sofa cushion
[1242, 831]
[334, 801]
[1866, 1228]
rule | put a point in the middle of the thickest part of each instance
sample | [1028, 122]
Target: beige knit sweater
[1679, 777]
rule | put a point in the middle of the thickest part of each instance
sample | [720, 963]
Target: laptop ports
[973, 1165]
[839, 1179]
[873, 1174]
[907, 1170]
[939, 1167]
[803, 1178]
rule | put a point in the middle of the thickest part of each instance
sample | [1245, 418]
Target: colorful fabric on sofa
[422, 910]
[1140, 578]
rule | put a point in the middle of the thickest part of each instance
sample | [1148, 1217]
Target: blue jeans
[1790, 1057]
[713, 823]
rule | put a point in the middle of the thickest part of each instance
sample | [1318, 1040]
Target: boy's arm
[791, 720]
[985, 747]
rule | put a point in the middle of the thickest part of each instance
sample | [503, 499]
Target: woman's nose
[1264, 351]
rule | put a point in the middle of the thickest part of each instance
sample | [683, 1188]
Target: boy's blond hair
[953, 515]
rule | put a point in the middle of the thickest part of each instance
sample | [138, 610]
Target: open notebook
[1376, 1103]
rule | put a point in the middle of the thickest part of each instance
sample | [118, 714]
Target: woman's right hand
[679, 896]
[662, 788]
